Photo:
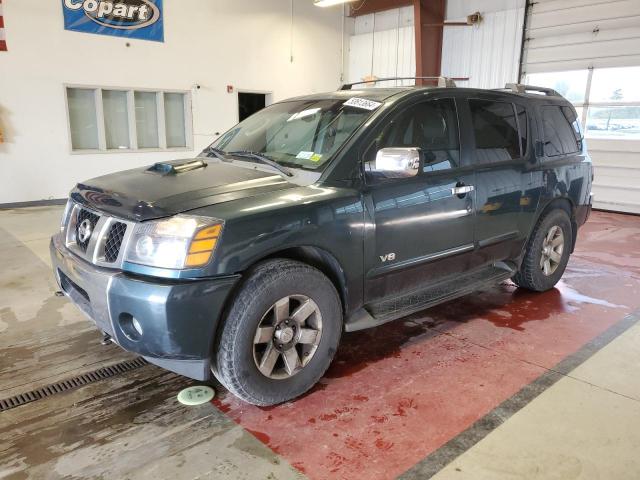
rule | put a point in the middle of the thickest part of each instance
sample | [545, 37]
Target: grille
[93, 220]
[114, 241]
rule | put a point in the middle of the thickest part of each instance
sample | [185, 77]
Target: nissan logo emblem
[84, 230]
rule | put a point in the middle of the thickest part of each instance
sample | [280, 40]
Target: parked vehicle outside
[322, 214]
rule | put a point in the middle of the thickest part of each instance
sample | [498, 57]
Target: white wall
[488, 53]
[245, 43]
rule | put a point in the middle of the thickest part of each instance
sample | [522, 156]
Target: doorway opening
[251, 102]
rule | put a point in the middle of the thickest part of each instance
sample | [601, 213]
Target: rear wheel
[280, 334]
[547, 252]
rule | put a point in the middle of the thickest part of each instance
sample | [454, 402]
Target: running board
[388, 310]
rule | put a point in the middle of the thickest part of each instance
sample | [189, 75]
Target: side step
[397, 307]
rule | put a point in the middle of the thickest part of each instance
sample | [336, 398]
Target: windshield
[302, 134]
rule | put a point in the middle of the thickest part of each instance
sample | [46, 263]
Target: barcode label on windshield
[362, 103]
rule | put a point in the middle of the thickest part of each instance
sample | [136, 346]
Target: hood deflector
[175, 167]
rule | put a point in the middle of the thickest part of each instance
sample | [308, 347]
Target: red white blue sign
[140, 19]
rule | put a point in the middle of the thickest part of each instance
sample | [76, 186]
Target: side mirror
[397, 162]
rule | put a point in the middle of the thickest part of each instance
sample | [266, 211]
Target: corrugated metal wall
[487, 53]
[565, 35]
[383, 45]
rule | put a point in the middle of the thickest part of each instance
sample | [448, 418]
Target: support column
[429, 24]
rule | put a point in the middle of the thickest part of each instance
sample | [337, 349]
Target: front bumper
[175, 321]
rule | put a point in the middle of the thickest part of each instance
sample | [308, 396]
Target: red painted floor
[396, 393]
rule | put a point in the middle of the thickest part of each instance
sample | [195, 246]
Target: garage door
[589, 50]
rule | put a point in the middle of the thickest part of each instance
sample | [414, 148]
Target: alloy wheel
[552, 248]
[287, 337]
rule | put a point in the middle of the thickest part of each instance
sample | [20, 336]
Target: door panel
[420, 229]
[422, 233]
[500, 137]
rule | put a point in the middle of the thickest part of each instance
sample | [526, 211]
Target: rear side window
[561, 131]
[496, 131]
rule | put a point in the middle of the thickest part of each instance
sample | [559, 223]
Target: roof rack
[521, 88]
[442, 81]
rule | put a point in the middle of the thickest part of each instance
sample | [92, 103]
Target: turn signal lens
[202, 246]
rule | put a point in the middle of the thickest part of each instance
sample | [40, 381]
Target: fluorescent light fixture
[330, 3]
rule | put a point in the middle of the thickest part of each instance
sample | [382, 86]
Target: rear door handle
[462, 190]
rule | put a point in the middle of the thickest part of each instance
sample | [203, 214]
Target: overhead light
[330, 3]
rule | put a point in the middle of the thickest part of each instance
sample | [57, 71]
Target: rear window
[496, 131]
[562, 135]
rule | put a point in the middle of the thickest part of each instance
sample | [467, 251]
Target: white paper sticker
[305, 155]
[362, 103]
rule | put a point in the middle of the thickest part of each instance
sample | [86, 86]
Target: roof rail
[521, 88]
[442, 81]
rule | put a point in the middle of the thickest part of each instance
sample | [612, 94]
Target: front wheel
[280, 333]
[547, 252]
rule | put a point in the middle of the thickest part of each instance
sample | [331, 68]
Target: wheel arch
[322, 260]
[313, 256]
[566, 204]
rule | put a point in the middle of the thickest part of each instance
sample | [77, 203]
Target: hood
[174, 187]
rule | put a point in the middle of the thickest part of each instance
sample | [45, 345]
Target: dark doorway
[250, 103]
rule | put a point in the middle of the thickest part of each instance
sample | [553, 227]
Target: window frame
[514, 105]
[133, 138]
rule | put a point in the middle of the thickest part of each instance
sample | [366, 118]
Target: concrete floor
[503, 384]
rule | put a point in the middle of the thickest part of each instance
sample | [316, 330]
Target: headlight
[65, 215]
[179, 242]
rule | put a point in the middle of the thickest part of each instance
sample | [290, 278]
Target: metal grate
[71, 383]
[93, 220]
[114, 241]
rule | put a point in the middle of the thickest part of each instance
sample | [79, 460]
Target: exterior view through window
[496, 131]
[114, 120]
[303, 134]
[613, 107]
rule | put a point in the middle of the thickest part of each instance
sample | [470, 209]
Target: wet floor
[393, 396]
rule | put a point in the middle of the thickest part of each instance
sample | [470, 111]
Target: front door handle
[461, 190]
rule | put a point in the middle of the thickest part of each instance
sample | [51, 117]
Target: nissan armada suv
[322, 214]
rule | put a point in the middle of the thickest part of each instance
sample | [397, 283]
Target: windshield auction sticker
[141, 19]
[362, 103]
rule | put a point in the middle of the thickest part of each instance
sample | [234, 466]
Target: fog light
[130, 326]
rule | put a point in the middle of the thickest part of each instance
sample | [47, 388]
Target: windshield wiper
[216, 152]
[263, 159]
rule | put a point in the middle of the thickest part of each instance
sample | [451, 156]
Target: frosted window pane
[174, 119]
[116, 119]
[572, 84]
[146, 119]
[82, 119]
[615, 85]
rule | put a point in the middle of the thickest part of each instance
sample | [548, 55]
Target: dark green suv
[322, 214]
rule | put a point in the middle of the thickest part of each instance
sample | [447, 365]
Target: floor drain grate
[71, 383]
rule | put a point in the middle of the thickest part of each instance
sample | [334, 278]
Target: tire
[260, 302]
[533, 274]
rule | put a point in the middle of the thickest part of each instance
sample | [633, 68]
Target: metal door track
[71, 383]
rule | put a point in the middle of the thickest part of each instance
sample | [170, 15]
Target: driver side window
[431, 126]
